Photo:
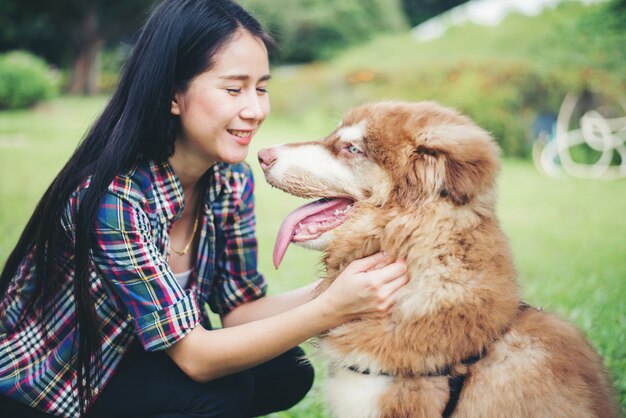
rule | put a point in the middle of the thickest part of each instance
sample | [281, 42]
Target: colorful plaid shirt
[134, 290]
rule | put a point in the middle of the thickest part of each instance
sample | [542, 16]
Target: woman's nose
[256, 108]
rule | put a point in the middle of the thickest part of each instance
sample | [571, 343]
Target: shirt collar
[168, 191]
[217, 181]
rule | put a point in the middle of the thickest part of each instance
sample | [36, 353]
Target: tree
[418, 11]
[70, 33]
[309, 30]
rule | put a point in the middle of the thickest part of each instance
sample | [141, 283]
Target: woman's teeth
[240, 134]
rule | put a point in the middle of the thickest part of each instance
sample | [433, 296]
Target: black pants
[150, 385]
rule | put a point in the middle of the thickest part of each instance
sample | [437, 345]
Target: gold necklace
[193, 234]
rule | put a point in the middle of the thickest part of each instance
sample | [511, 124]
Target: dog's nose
[266, 158]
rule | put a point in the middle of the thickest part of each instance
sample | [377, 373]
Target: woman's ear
[175, 108]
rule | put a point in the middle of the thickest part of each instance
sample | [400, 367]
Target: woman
[151, 218]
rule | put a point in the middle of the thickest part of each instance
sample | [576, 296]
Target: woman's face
[223, 107]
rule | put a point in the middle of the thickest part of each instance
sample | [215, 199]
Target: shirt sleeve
[131, 264]
[237, 279]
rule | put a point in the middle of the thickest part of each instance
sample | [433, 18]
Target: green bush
[25, 79]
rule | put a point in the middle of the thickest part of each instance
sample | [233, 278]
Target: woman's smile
[242, 137]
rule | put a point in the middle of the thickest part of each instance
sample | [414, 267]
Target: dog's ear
[454, 162]
[472, 161]
[421, 178]
[465, 179]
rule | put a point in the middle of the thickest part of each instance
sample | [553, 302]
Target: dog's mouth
[310, 222]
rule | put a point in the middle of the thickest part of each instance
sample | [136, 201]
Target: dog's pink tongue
[287, 228]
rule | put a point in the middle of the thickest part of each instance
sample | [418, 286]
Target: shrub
[25, 79]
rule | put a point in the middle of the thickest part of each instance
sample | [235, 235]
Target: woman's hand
[366, 288]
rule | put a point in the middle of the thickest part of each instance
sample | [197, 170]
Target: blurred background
[546, 77]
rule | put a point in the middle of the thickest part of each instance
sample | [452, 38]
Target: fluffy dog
[418, 181]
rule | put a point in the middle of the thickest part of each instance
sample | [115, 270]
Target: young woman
[102, 300]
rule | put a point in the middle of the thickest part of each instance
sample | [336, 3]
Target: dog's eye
[353, 150]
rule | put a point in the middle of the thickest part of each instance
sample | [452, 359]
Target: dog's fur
[423, 179]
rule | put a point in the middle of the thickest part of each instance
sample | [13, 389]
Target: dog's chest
[355, 395]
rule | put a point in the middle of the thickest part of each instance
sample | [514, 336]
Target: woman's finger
[367, 263]
[389, 272]
[390, 288]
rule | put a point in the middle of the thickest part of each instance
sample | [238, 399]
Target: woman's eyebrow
[243, 77]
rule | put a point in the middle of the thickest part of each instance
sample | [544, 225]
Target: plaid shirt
[134, 291]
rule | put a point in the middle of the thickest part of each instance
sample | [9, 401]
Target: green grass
[34, 145]
[567, 235]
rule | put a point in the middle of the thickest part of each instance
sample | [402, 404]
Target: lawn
[567, 235]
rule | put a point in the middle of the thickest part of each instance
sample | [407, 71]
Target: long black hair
[178, 42]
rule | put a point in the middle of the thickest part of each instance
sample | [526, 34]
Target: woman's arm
[361, 290]
[269, 305]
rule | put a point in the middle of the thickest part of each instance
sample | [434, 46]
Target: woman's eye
[233, 91]
[262, 90]
[353, 150]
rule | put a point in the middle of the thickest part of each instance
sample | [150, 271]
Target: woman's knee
[227, 397]
[301, 375]
[273, 386]
[282, 382]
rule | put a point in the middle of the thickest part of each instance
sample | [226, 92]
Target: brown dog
[418, 181]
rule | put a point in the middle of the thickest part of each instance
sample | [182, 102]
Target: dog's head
[388, 153]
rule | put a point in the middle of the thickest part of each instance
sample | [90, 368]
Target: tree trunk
[85, 71]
